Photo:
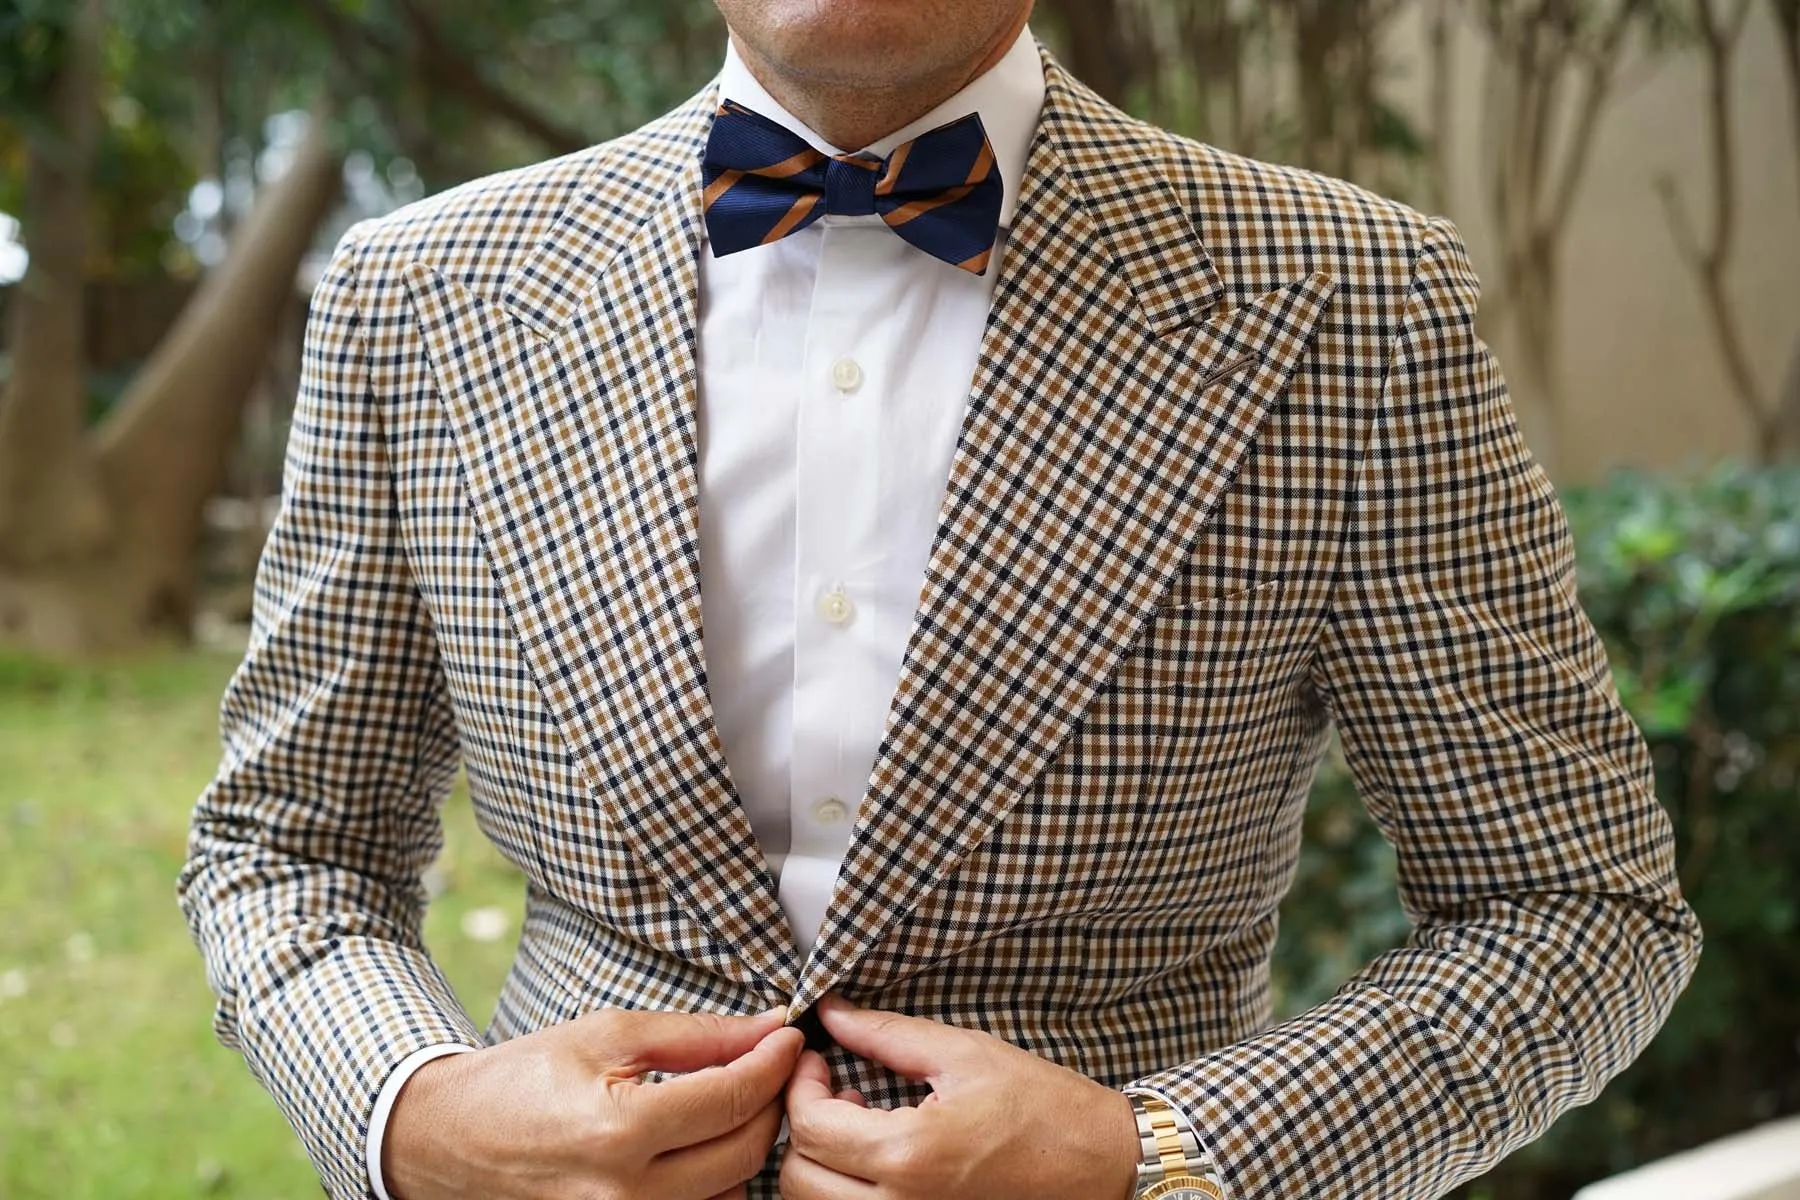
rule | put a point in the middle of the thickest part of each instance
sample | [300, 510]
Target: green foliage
[145, 159]
[456, 88]
[1344, 908]
[623, 61]
[1695, 587]
[32, 36]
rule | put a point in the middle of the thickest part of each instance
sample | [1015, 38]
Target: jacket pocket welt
[1214, 642]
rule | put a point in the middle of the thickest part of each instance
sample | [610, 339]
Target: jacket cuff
[325, 1038]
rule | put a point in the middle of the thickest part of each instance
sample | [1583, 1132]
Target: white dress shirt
[835, 369]
[834, 374]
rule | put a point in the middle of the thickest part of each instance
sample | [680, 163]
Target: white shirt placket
[839, 701]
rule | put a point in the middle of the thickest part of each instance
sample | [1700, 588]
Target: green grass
[111, 1084]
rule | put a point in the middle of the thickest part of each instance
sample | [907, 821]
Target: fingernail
[783, 1034]
[780, 1011]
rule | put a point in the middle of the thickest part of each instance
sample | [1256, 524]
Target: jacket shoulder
[477, 232]
[1267, 223]
[1263, 224]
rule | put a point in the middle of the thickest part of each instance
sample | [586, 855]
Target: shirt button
[836, 608]
[830, 811]
[847, 375]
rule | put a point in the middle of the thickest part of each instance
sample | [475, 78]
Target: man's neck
[853, 117]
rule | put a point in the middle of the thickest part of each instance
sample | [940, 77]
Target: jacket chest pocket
[1225, 642]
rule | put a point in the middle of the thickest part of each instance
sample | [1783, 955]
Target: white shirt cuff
[384, 1104]
[1187, 1126]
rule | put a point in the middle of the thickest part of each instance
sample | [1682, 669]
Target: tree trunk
[1441, 59]
[52, 509]
[1099, 49]
[1787, 16]
[168, 447]
[1539, 68]
[165, 451]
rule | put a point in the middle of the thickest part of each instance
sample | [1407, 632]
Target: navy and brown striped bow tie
[941, 191]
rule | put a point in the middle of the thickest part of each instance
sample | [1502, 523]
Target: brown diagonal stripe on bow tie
[791, 166]
[718, 187]
[802, 209]
[912, 210]
[979, 263]
[895, 165]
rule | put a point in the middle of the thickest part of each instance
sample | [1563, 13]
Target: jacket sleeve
[1487, 740]
[302, 884]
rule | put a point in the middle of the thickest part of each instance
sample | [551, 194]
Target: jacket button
[814, 1029]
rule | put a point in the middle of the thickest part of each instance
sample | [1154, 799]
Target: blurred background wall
[1645, 382]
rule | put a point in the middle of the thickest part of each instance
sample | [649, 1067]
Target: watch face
[1186, 1187]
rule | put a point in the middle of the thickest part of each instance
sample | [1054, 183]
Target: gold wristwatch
[1174, 1166]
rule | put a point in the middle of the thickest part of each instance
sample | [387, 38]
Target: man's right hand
[562, 1114]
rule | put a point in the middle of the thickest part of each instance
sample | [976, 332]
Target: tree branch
[1787, 16]
[1441, 66]
[442, 68]
[1602, 64]
[454, 73]
[1719, 38]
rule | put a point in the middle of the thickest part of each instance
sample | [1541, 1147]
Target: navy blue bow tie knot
[941, 191]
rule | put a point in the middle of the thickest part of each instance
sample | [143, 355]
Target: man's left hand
[1001, 1123]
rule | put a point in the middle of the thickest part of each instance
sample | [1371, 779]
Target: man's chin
[873, 64]
[875, 44]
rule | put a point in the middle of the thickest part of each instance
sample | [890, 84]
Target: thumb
[921, 1050]
[811, 1080]
[633, 1043]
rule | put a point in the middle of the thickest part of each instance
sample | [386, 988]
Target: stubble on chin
[875, 45]
[857, 69]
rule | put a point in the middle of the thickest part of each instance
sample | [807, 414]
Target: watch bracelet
[1172, 1150]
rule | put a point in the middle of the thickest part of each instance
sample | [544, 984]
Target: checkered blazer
[1235, 467]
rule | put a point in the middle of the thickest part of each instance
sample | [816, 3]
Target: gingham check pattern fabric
[941, 191]
[1235, 466]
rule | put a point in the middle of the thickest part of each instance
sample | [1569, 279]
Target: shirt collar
[1009, 97]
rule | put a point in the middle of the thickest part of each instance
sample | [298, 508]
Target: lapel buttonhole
[1230, 370]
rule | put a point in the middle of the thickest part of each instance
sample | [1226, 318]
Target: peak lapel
[573, 402]
[1103, 425]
